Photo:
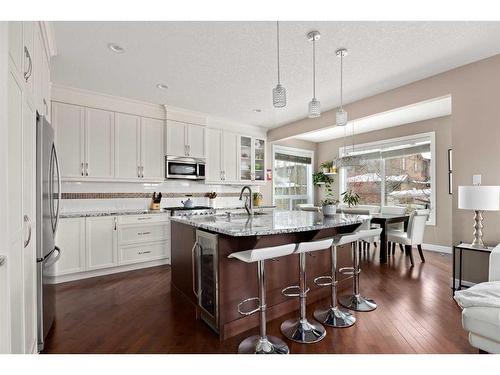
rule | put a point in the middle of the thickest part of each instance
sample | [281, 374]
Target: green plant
[350, 198]
[326, 164]
[257, 196]
[329, 201]
[320, 178]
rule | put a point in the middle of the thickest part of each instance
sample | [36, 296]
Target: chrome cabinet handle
[46, 106]
[27, 220]
[139, 171]
[142, 171]
[193, 267]
[115, 221]
[2, 260]
[189, 149]
[144, 252]
[143, 233]
[29, 72]
[83, 169]
[144, 218]
[86, 169]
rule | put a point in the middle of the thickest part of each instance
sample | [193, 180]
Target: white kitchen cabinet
[16, 44]
[143, 252]
[99, 143]
[69, 125]
[70, 239]
[214, 156]
[152, 150]
[45, 66]
[185, 139]
[38, 70]
[230, 156]
[127, 146]
[252, 159]
[100, 241]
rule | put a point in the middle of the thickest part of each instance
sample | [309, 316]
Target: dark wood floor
[136, 312]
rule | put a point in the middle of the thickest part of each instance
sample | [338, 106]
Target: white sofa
[483, 323]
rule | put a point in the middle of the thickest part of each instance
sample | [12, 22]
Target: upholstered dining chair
[414, 236]
[393, 210]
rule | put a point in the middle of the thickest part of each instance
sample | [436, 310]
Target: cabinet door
[46, 86]
[68, 123]
[245, 158]
[259, 151]
[230, 156]
[38, 71]
[29, 251]
[214, 155]
[100, 241]
[99, 140]
[127, 146]
[176, 138]
[70, 239]
[152, 152]
[16, 44]
[196, 141]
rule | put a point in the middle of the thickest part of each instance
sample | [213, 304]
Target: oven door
[184, 168]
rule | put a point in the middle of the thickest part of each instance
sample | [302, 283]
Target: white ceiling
[409, 114]
[227, 69]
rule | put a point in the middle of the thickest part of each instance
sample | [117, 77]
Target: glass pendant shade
[314, 108]
[279, 96]
[350, 161]
[341, 117]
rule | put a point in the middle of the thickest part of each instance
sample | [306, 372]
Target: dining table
[384, 220]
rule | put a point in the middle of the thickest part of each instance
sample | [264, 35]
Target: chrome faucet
[248, 206]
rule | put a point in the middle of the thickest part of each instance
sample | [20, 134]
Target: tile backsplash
[102, 196]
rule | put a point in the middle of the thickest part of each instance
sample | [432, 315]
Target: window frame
[296, 152]
[432, 135]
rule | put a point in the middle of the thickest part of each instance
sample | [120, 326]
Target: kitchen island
[215, 284]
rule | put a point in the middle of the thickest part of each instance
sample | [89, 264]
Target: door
[100, 241]
[99, 141]
[69, 128]
[214, 155]
[71, 238]
[127, 146]
[245, 158]
[176, 138]
[29, 241]
[196, 141]
[230, 156]
[152, 152]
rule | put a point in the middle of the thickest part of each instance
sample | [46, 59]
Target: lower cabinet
[109, 242]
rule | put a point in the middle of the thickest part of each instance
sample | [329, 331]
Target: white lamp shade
[480, 198]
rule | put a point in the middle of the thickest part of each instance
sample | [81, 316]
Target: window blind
[292, 158]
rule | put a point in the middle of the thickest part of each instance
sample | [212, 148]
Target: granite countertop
[276, 222]
[66, 215]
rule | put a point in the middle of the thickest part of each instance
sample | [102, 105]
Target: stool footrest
[296, 287]
[349, 271]
[251, 311]
[318, 281]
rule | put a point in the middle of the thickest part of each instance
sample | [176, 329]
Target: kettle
[188, 204]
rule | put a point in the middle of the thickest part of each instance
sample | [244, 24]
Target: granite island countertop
[276, 222]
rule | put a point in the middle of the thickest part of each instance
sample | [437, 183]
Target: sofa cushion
[484, 321]
[480, 295]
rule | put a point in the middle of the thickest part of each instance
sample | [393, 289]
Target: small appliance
[184, 168]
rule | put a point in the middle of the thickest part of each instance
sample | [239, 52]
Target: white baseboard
[106, 271]
[464, 283]
[437, 248]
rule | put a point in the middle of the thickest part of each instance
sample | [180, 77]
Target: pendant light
[349, 159]
[314, 104]
[279, 92]
[341, 115]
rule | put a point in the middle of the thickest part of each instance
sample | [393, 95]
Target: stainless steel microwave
[184, 168]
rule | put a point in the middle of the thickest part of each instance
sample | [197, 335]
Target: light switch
[476, 179]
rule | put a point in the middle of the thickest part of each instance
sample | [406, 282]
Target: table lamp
[479, 198]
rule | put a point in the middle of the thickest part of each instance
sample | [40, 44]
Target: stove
[191, 211]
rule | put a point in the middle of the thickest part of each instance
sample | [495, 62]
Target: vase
[329, 210]
[211, 203]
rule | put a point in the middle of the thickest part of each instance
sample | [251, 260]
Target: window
[292, 177]
[395, 172]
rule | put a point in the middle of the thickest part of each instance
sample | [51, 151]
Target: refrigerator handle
[59, 185]
[54, 259]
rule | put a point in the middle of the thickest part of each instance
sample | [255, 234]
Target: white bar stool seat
[262, 343]
[301, 330]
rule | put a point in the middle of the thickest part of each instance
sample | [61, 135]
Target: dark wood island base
[237, 281]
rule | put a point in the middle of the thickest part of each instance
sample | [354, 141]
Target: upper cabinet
[185, 139]
[98, 145]
[252, 159]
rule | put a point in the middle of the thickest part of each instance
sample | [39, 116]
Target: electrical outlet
[476, 179]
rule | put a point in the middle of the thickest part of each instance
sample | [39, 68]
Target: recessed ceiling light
[257, 110]
[161, 86]
[116, 48]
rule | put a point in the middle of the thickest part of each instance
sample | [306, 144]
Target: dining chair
[414, 236]
[393, 210]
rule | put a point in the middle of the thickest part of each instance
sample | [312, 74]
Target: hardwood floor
[136, 312]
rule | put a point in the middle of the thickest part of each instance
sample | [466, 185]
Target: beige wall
[295, 143]
[475, 129]
[439, 234]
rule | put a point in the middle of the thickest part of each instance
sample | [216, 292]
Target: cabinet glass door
[259, 165]
[245, 158]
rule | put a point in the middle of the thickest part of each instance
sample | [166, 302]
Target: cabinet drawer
[143, 253]
[143, 219]
[144, 233]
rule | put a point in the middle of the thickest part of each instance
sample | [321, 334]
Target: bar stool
[333, 316]
[301, 330]
[355, 301]
[262, 343]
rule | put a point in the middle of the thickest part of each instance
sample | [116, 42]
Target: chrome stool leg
[262, 343]
[302, 330]
[333, 316]
[355, 301]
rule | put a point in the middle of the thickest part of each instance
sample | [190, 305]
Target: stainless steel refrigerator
[48, 197]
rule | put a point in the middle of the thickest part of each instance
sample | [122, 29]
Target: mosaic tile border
[140, 195]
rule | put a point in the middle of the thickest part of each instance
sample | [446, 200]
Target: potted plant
[211, 199]
[325, 166]
[329, 206]
[257, 199]
[319, 178]
[350, 198]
